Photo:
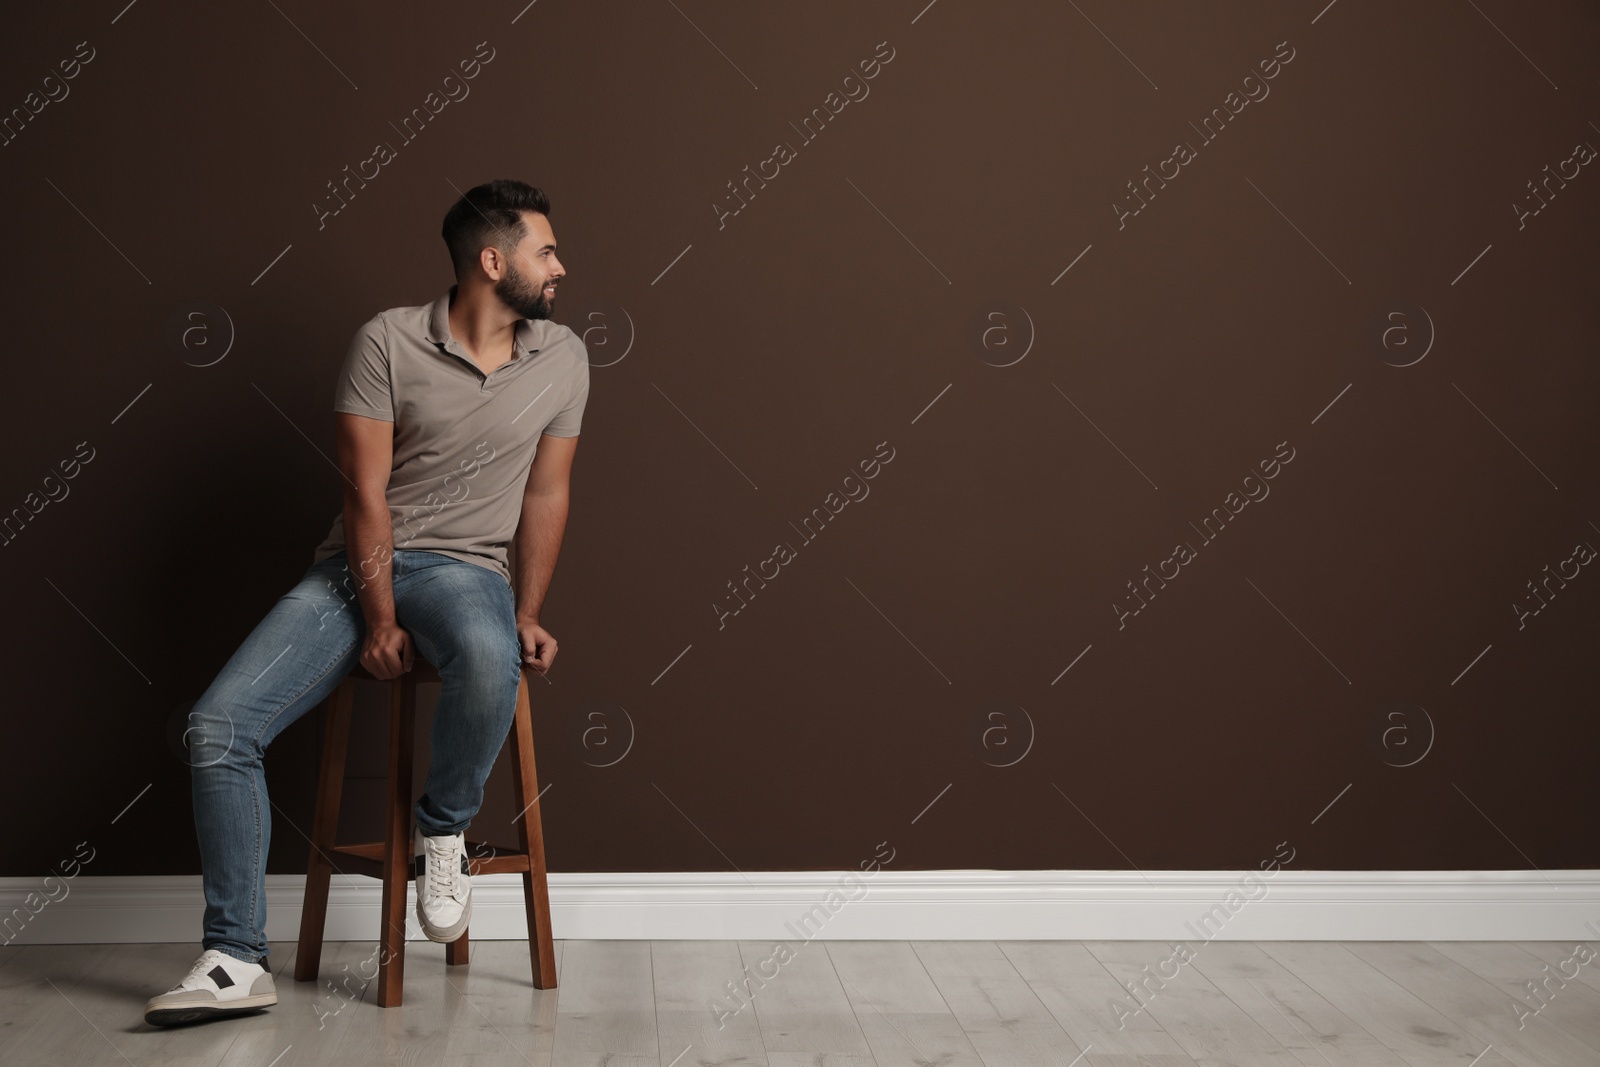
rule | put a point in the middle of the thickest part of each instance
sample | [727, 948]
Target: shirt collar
[527, 331]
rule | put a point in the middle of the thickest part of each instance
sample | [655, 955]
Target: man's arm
[538, 541]
[366, 456]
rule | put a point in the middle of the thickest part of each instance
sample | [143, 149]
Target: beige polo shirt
[463, 440]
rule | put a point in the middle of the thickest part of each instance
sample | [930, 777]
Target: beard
[521, 295]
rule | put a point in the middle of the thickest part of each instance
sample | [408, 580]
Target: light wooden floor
[833, 1004]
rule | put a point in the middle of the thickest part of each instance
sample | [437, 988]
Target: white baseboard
[888, 905]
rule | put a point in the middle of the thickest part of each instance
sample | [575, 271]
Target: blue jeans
[461, 618]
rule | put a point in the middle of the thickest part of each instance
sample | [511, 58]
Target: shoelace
[202, 966]
[444, 867]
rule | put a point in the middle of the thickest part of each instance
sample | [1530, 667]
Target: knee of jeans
[210, 737]
[486, 658]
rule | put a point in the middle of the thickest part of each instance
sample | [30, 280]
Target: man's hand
[386, 652]
[538, 647]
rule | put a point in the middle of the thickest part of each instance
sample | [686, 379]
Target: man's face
[529, 285]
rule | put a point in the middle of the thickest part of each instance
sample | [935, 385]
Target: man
[456, 424]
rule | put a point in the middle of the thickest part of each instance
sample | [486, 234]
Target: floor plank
[497, 985]
[1565, 959]
[1298, 1016]
[696, 1017]
[418, 1032]
[1002, 1016]
[1575, 1007]
[307, 1024]
[799, 1001]
[1080, 993]
[606, 1014]
[1474, 1002]
[42, 1022]
[899, 1008]
[1408, 1026]
[1204, 1021]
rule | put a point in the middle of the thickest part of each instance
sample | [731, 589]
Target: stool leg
[530, 831]
[324, 830]
[397, 845]
[457, 952]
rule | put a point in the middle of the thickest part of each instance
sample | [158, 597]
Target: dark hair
[490, 214]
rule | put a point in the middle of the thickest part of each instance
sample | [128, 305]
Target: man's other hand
[538, 647]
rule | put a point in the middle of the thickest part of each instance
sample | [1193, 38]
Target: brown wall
[871, 691]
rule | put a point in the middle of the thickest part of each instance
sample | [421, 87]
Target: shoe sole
[447, 934]
[188, 1013]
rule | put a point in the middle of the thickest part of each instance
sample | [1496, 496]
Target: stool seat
[391, 859]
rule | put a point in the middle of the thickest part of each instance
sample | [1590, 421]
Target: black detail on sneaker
[220, 976]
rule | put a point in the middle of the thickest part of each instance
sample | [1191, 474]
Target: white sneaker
[444, 890]
[216, 985]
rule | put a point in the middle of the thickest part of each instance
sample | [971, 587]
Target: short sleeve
[363, 386]
[568, 419]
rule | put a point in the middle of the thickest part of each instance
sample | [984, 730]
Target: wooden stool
[391, 858]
